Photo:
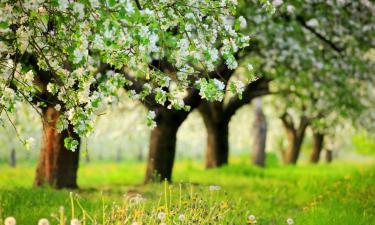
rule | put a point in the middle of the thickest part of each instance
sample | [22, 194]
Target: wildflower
[181, 217]
[75, 222]
[214, 188]
[290, 221]
[43, 221]
[161, 215]
[10, 221]
[137, 199]
[224, 205]
[251, 219]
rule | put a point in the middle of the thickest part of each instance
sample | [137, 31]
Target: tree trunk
[318, 139]
[57, 165]
[295, 137]
[260, 136]
[329, 156]
[12, 158]
[294, 145]
[217, 148]
[163, 146]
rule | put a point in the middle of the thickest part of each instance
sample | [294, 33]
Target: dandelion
[75, 222]
[161, 215]
[251, 219]
[290, 221]
[43, 221]
[181, 217]
[214, 188]
[10, 221]
[137, 199]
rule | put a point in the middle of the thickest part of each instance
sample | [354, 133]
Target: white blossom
[243, 22]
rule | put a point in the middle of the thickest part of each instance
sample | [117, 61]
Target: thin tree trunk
[260, 137]
[163, 147]
[318, 139]
[12, 158]
[57, 165]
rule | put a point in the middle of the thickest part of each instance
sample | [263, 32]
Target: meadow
[337, 193]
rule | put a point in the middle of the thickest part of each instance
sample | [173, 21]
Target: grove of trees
[71, 60]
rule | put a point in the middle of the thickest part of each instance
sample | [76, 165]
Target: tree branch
[254, 89]
[330, 43]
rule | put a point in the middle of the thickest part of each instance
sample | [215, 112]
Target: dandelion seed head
[214, 188]
[290, 221]
[43, 221]
[181, 217]
[251, 218]
[75, 222]
[10, 221]
[161, 215]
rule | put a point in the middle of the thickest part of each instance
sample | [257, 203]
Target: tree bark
[295, 138]
[329, 156]
[260, 136]
[217, 149]
[13, 158]
[217, 125]
[57, 165]
[163, 145]
[318, 141]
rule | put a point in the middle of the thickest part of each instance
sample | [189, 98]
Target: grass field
[340, 193]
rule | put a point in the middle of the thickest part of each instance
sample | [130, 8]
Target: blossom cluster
[72, 55]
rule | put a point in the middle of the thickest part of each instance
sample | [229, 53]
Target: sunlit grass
[340, 193]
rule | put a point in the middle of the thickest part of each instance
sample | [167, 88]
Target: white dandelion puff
[290, 221]
[10, 221]
[43, 221]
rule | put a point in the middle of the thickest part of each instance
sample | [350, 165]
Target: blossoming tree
[314, 53]
[67, 59]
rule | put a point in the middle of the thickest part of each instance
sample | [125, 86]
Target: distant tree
[260, 134]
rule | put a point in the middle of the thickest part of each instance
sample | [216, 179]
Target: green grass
[340, 193]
